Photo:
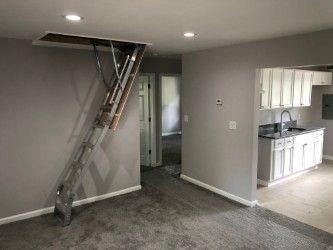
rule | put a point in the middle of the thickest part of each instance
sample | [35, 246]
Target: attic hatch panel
[83, 42]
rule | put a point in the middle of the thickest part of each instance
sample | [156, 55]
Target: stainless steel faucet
[285, 111]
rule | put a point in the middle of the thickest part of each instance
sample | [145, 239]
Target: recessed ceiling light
[73, 18]
[189, 34]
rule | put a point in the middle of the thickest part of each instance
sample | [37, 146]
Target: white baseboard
[328, 157]
[48, 210]
[219, 191]
[172, 133]
[284, 179]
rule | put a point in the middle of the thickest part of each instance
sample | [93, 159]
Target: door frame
[152, 114]
[160, 110]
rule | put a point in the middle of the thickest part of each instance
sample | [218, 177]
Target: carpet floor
[168, 213]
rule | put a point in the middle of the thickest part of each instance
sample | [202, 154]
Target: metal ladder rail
[65, 194]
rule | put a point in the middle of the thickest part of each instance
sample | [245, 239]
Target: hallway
[171, 154]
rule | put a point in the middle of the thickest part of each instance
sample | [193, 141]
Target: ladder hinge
[150, 151]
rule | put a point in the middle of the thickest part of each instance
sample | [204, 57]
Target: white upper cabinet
[297, 88]
[265, 88]
[306, 88]
[276, 93]
[287, 88]
[322, 78]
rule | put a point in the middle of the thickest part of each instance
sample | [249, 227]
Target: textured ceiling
[162, 22]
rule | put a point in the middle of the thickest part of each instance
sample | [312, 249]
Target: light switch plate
[232, 125]
[186, 118]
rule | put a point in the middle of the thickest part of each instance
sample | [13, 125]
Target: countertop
[278, 135]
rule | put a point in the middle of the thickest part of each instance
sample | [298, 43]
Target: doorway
[294, 174]
[171, 123]
[146, 118]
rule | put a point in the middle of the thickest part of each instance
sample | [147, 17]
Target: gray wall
[211, 153]
[48, 99]
[316, 108]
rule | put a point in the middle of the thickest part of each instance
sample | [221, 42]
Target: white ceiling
[162, 22]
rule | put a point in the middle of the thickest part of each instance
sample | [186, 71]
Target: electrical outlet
[232, 125]
[186, 118]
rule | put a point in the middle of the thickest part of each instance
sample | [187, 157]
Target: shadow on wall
[88, 107]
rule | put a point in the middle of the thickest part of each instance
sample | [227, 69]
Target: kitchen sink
[296, 129]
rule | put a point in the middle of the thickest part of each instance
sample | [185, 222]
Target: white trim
[219, 191]
[48, 210]
[172, 133]
[328, 157]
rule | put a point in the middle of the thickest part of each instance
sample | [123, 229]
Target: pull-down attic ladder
[117, 91]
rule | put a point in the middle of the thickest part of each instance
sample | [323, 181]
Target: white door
[319, 147]
[287, 161]
[327, 78]
[277, 163]
[276, 88]
[298, 151]
[265, 82]
[287, 89]
[307, 88]
[297, 88]
[309, 154]
[144, 116]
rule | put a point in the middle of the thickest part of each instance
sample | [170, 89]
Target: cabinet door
[318, 152]
[277, 163]
[297, 93]
[317, 78]
[276, 88]
[265, 83]
[307, 88]
[287, 88]
[298, 158]
[309, 153]
[287, 161]
[327, 78]
[319, 147]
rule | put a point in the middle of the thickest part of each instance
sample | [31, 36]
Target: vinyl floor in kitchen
[307, 198]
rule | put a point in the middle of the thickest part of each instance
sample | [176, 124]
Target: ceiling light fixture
[189, 34]
[73, 18]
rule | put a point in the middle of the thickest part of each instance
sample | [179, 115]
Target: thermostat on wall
[219, 102]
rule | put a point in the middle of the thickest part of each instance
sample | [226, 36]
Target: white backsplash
[302, 115]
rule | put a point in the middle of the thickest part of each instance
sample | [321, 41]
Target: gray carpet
[171, 154]
[167, 213]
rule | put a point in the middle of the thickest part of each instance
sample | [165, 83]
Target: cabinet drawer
[289, 142]
[278, 143]
[301, 139]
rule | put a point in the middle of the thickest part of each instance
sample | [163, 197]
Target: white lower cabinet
[309, 154]
[298, 152]
[288, 156]
[288, 161]
[278, 163]
[319, 147]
